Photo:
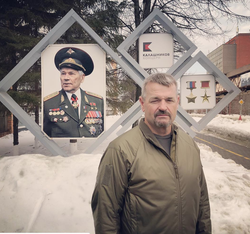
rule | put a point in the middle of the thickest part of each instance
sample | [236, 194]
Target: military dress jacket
[61, 120]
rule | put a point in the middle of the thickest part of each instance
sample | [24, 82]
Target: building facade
[233, 59]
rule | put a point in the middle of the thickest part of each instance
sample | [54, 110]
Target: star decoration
[191, 98]
[205, 97]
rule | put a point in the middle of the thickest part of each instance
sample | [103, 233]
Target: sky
[42, 193]
[207, 45]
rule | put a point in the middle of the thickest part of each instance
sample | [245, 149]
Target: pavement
[229, 147]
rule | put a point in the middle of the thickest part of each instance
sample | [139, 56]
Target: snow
[44, 193]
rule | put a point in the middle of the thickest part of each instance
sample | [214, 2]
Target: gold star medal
[191, 86]
[75, 104]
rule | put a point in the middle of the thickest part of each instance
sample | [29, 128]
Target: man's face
[70, 80]
[160, 106]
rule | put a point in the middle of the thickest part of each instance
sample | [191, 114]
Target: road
[227, 149]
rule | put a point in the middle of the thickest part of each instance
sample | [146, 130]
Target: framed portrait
[73, 90]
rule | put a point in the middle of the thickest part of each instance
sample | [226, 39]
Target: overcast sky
[207, 45]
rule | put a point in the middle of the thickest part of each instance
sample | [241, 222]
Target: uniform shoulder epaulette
[93, 94]
[50, 96]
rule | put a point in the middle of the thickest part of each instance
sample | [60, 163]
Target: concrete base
[73, 146]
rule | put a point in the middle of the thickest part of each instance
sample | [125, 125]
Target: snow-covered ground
[43, 193]
[229, 126]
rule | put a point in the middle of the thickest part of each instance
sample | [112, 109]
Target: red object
[240, 118]
[242, 41]
[205, 84]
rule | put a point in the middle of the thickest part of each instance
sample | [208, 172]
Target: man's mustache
[159, 112]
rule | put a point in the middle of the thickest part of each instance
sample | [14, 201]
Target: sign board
[197, 92]
[156, 50]
[241, 102]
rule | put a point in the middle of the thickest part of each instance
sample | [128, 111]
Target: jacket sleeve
[204, 222]
[46, 121]
[108, 197]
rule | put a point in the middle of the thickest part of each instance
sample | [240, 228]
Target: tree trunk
[145, 13]
[15, 123]
[146, 8]
[37, 106]
[137, 12]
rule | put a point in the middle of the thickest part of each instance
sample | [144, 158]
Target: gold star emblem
[191, 98]
[205, 97]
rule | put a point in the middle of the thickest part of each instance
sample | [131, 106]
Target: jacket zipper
[177, 185]
[178, 196]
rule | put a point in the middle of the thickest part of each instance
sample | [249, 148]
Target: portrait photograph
[73, 90]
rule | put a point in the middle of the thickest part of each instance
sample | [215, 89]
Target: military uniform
[61, 120]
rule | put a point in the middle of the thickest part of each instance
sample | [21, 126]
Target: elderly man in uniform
[73, 112]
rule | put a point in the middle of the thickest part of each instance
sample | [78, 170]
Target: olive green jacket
[141, 189]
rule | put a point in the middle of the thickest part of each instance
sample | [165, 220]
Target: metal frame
[233, 91]
[131, 67]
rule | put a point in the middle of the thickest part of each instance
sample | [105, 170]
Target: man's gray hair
[159, 78]
[80, 72]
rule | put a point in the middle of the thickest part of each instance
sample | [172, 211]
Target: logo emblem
[146, 46]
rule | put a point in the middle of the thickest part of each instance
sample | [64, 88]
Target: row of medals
[87, 120]
[56, 112]
[93, 120]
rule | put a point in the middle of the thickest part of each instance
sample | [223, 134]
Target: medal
[75, 104]
[92, 130]
[65, 119]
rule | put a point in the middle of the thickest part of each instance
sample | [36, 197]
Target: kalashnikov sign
[156, 50]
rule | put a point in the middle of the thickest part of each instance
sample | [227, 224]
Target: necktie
[74, 103]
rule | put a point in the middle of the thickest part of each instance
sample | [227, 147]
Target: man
[73, 112]
[150, 179]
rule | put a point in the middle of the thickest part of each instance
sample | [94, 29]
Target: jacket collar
[150, 136]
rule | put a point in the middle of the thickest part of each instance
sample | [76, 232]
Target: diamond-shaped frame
[180, 67]
[170, 27]
[184, 120]
[233, 91]
[64, 24]
[130, 66]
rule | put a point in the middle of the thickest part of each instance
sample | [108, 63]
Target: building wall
[229, 58]
[242, 42]
[237, 49]
[234, 106]
[216, 57]
[224, 57]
